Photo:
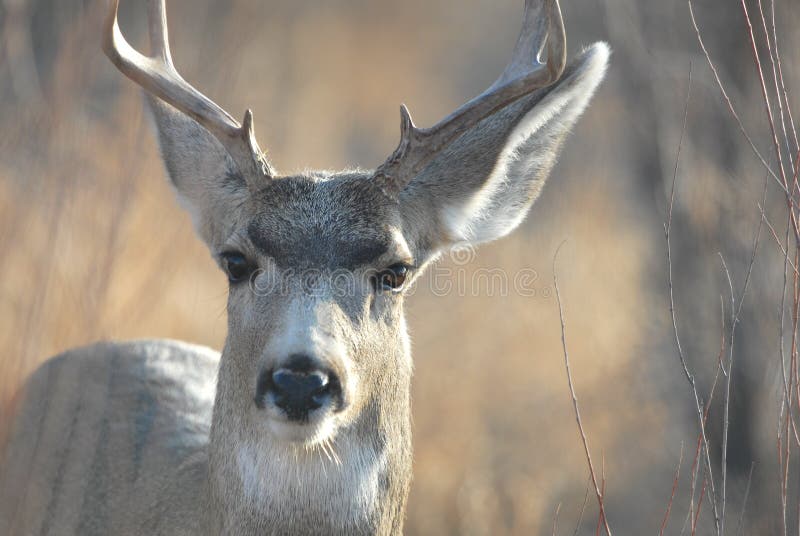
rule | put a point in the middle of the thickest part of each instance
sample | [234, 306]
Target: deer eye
[236, 266]
[392, 278]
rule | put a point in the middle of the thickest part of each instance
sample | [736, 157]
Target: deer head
[318, 263]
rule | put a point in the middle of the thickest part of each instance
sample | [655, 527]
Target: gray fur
[124, 438]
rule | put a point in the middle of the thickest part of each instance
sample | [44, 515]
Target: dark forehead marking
[324, 223]
[315, 251]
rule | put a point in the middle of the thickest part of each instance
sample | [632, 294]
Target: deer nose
[298, 390]
[297, 387]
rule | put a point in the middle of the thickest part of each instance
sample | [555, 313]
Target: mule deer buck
[306, 429]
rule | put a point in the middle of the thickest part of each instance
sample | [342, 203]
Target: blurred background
[93, 245]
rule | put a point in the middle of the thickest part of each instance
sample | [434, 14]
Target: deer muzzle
[298, 388]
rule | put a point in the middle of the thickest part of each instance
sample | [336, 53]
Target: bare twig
[753, 252]
[699, 506]
[707, 408]
[744, 501]
[771, 49]
[780, 76]
[601, 519]
[689, 376]
[668, 227]
[764, 90]
[787, 433]
[597, 490]
[785, 404]
[694, 471]
[583, 507]
[776, 238]
[768, 110]
[672, 493]
[735, 312]
[728, 101]
[726, 402]
[555, 519]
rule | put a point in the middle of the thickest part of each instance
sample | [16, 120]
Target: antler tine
[531, 40]
[158, 76]
[524, 74]
[159, 32]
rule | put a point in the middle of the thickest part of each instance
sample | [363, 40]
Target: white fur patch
[342, 482]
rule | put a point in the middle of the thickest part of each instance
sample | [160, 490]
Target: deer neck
[355, 484]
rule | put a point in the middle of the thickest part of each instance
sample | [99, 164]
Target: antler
[157, 75]
[524, 74]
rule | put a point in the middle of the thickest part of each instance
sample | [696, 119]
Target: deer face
[317, 267]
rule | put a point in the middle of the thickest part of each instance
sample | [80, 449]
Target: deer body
[128, 453]
[307, 427]
[102, 428]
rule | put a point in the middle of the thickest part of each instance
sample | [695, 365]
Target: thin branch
[731, 108]
[699, 506]
[555, 519]
[726, 403]
[768, 110]
[689, 376]
[735, 312]
[777, 239]
[775, 80]
[598, 492]
[583, 507]
[780, 76]
[753, 252]
[764, 90]
[672, 493]
[744, 501]
[693, 473]
[668, 228]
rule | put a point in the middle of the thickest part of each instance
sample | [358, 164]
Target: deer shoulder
[100, 427]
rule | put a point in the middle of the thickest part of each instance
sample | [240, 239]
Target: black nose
[298, 387]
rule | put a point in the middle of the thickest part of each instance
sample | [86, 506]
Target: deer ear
[206, 179]
[482, 186]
